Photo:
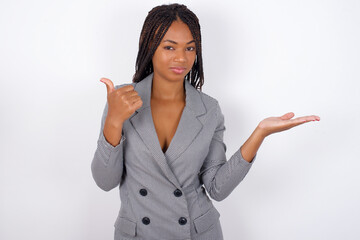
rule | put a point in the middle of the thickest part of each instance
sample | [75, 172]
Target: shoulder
[211, 103]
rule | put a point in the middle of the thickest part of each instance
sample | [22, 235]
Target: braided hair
[155, 27]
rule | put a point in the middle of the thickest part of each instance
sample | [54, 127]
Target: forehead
[179, 32]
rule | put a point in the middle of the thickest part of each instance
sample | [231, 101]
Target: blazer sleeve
[219, 176]
[107, 163]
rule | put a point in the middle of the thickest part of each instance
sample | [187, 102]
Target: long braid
[155, 27]
[194, 74]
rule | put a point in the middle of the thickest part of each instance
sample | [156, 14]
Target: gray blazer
[163, 195]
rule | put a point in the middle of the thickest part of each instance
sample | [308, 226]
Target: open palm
[277, 124]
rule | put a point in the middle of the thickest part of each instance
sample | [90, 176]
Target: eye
[168, 47]
[191, 48]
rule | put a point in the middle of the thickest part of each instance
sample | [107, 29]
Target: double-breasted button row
[177, 192]
[146, 221]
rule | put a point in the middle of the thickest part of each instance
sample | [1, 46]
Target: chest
[166, 117]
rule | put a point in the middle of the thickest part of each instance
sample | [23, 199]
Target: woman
[161, 139]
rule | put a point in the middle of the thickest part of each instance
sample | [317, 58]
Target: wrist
[114, 122]
[260, 132]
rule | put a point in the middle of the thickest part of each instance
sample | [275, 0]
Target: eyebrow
[168, 40]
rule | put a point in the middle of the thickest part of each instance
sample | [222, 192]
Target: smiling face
[175, 55]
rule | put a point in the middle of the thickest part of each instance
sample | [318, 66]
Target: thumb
[287, 116]
[109, 84]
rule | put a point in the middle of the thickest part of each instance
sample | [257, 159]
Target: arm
[107, 164]
[252, 144]
[220, 177]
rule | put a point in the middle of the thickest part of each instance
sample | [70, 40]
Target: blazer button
[177, 193]
[182, 221]
[143, 192]
[146, 220]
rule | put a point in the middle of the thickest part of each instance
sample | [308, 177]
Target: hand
[277, 124]
[122, 102]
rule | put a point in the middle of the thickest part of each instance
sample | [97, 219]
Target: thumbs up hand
[122, 102]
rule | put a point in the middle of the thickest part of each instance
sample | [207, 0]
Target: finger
[109, 85]
[135, 99]
[302, 120]
[127, 95]
[287, 116]
[138, 104]
[130, 100]
[127, 90]
[309, 118]
[292, 123]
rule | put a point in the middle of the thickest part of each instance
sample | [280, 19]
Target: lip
[178, 70]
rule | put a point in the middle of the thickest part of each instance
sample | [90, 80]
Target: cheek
[160, 58]
[192, 58]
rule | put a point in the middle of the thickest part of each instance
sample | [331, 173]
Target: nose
[180, 56]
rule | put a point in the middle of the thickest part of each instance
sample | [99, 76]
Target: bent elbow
[218, 195]
[103, 178]
[216, 198]
[106, 186]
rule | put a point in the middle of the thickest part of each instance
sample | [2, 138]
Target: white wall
[261, 59]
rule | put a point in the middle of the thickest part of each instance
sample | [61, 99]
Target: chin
[177, 77]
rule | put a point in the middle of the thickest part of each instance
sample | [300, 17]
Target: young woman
[161, 139]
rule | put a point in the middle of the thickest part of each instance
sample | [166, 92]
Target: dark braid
[155, 27]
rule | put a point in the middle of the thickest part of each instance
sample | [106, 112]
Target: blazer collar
[188, 128]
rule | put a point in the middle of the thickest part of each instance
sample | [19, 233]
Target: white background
[261, 59]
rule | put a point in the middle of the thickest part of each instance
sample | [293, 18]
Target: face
[175, 55]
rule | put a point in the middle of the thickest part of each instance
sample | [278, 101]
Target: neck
[163, 89]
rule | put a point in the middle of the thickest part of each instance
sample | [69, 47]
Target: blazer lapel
[188, 128]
